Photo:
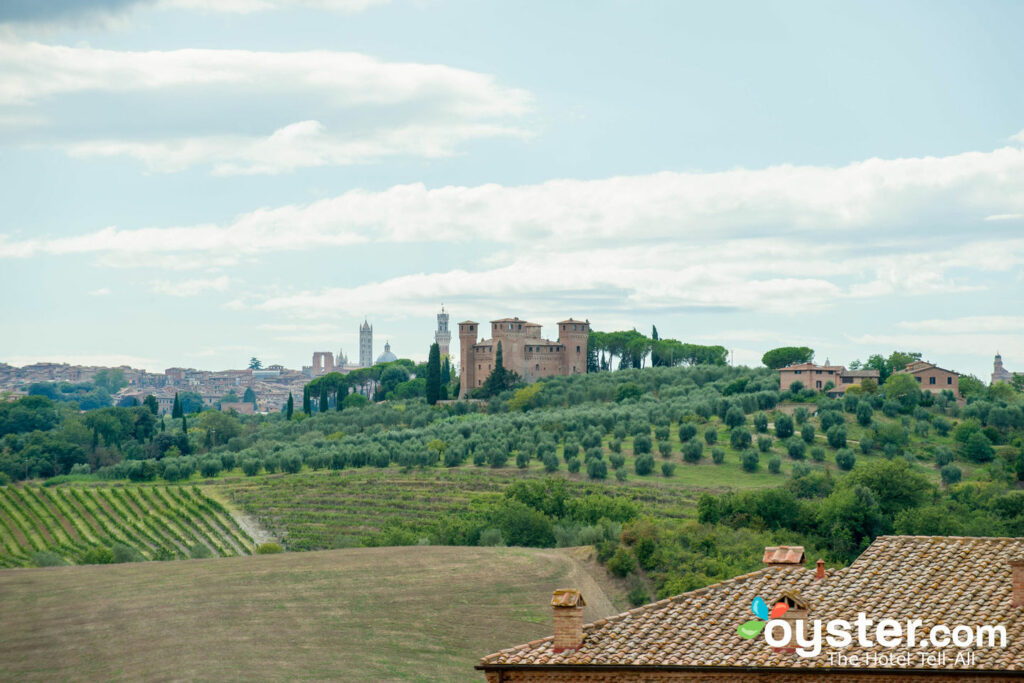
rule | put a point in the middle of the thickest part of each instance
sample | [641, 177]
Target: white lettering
[769, 631]
[912, 625]
[889, 633]
[937, 640]
[963, 636]
[991, 632]
[839, 633]
[809, 647]
[862, 630]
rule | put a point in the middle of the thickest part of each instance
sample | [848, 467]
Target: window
[918, 379]
[520, 326]
[818, 384]
[577, 349]
[847, 380]
[931, 380]
[817, 372]
[949, 380]
[798, 372]
[477, 366]
[537, 367]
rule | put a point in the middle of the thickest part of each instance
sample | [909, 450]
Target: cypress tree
[250, 396]
[498, 380]
[434, 374]
[655, 356]
[291, 406]
[184, 425]
[339, 398]
[324, 398]
[306, 407]
[446, 372]
[176, 409]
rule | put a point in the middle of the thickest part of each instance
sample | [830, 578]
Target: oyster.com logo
[751, 629]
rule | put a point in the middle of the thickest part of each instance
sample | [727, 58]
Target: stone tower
[443, 336]
[572, 335]
[365, 345]
[467, 370]
[999, 373]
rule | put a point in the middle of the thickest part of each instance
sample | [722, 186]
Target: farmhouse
[818, 377]
[933, 378]
[943, 581]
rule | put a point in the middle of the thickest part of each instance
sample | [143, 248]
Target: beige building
[817, 377]
[933, 378]
[523, 350]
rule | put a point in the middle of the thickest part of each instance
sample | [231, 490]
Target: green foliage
[978, 448]
[836, 436]
[718, 455]
[688, 430]
[951, 474]
[668, 469]
[641, 445]
[787, 355]
[761, 423]
[46, 558]
[711, 436]
[693, 451]
[433, 388]
[740, 438]
[597, 469]
[644, 464]
[622, 563]
[796, 448]
[749, 460]
[269, 548]
[774, 464]
[629, 390]
[783, 426]
[99, 554]
[807, 433]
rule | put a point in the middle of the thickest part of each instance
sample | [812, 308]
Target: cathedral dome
[387, 356]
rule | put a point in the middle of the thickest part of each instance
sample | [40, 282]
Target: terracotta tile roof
[941, 580]
[861, 373]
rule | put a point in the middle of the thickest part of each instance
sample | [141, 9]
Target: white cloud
[1005, 217]
[301, 144]
[102, 291]
[968, 344]
[250, 6]
[969, 324]
[191, 287]
[31, 71]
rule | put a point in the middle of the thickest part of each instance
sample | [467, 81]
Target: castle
[523, 351]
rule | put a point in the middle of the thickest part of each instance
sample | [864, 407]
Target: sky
[196, 182]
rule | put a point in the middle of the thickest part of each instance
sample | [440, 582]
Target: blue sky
[190, 182]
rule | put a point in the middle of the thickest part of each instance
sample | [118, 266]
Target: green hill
[365, 614]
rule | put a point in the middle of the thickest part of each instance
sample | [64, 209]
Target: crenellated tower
[443, 335]
[468, 331]
[572, 336]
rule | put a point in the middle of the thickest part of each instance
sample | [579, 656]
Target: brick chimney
[567, 605]
[784, 556]
[1017, 574]
[819, 572]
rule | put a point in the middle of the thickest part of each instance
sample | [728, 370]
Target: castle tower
[365, 345]
[999, 373]
[443, 336]
[467, 369]
[572, 336]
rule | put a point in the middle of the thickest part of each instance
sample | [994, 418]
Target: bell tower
[443, 336]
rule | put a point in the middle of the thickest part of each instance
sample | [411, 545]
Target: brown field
[361, 614]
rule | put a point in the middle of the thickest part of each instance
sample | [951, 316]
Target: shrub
[45, 558]
[623, 563]
[550, 461]
[627, 391]
[800, 414]
[644, 464]
[783, 426]
[615, 445]
[740, 438]
[836, 436]
[620, 432]
[867, 444]
[749, 460]
[764, 443]
[711, 436]
[497, 457]
[774, 464]
[818, 454]
[951, 474]
[761, 423]
[597, 469]
[796, 448]
[978, 448]
[210, 467]
[617, 460]
[522, 459]
[199, 551]
[491, 537]
[941, 425]
[668, 469]
[891, 408]
[692, 451]
[99, 554]
[807, 434]
[573, 465]
[269, 548]
[621, 474]
[79, 468]
[800, 469]
[687, 431]
[845, 459]
[718, 455]
[943, 456]
[641, 444]
[251, 467]
[291, 464]
[227, 460]
[124, 553]
[638, 596]
[864, 413]
[665, 448]
[661, 432]
[734, 417]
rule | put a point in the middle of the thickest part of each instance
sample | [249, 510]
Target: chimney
[567, 605]
[784, 556]
[1017, 574]
[819, 573]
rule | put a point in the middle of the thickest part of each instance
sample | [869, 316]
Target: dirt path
[249, 524]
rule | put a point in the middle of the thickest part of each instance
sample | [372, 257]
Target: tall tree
[255, 363]
[787, 355]
[656, 360]
[184, 425]
[434, 373]
[446, 372]
[150, 402]
[176, 409]
[291, 407]
[324, 398]
[307, 407]
[339, 398]
[249, 396]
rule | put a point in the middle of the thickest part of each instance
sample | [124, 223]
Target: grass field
[363, 614]
[158, 521]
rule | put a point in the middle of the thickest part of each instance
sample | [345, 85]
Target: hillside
[380, 614]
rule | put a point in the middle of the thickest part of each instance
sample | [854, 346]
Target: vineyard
[156, 522]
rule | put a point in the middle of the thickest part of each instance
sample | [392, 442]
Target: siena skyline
[192, 183]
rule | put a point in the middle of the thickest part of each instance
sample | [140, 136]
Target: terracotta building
[816, 377]
[933, 378]
[523, 351]
[956, 583]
